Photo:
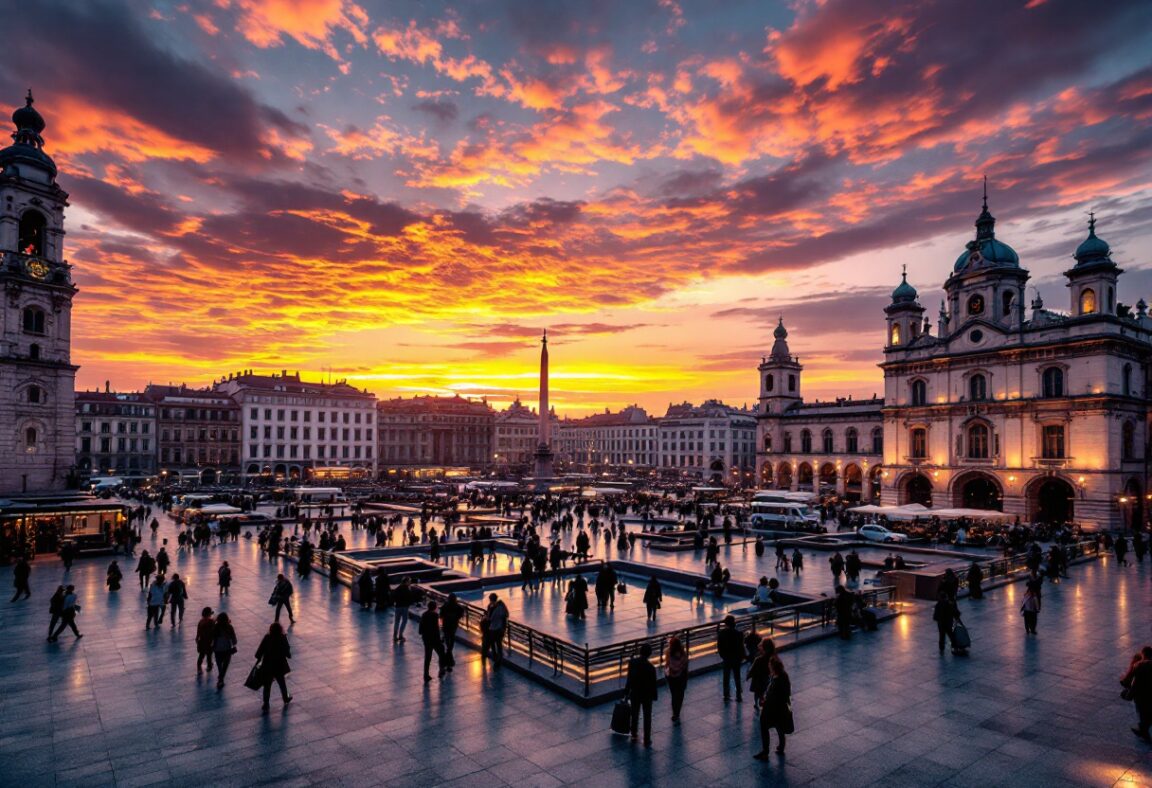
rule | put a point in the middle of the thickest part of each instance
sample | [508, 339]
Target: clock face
[976, 305]
[37, 268]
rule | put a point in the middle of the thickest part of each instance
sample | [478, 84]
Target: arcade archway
[977, 491]
[784, 476]
[1051, 500]
[804, 476]
[828, 478]
[916, 488]
[853, 482]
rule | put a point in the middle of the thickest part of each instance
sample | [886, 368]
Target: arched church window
[1087, 301]
[919, 392]
[806, 441]
[978, 388]
[895, 334]
[976, 305]
[1111, 301]
[878, 440]
[787, 443]
[852, 440]
[1128, 441]
[767, 443]
[32, 226]
[769, 382]
[978, 442]
[35, 394]
[1006, 303]
[919, 443]
[34, 352]
[33, 320]
[1053, 382]
[827, 441]
[791, 384]
[30, 436]
[1126, 380]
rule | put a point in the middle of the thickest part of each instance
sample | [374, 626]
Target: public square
[126, 707]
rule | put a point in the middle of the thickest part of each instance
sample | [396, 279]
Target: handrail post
[586, 682]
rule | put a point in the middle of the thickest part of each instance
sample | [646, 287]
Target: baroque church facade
[37, 377]
[1029, 411]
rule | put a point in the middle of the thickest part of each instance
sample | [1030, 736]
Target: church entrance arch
[853, 482]
[784, 476]
[977, 491]
[1051, 500]
[916, 489]
[766, 475]
[828, 477]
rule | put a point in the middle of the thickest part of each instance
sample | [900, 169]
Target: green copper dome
[904, 292]
[1092, 250]
[986, 251]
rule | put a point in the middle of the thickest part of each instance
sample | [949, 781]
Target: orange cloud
[266, 23]
[84, 128]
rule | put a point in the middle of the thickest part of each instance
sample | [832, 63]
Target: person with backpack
[641, 689]
[177, 594]
[282, 597]
[224, 644]
[205, 639]
[945, 614]
[69, 607]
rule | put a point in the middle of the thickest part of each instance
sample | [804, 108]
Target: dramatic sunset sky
[406, 193]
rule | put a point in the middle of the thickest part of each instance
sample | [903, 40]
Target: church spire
[780, 351]
[985, 222]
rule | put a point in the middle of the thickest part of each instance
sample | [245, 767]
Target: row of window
[294, 415]
[122, 445]
[203, 435]
[977, 442]
[322, 433]
[1052, 384]
[203, 456]
[122, 427]
[827, 441]
[322, 452]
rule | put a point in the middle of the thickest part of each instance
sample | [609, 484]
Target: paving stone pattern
[125, 707]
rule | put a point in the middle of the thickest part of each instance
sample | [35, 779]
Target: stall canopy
[914, 510]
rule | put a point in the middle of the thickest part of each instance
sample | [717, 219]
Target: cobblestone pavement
[124, 706]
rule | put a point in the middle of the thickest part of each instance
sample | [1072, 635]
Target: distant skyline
[407, 193]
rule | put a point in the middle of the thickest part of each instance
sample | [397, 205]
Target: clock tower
[37, 377]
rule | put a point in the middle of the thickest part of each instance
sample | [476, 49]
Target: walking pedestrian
[975, 581]
[430, 634]
[163, 561]
[114, 576]
[55, 607]
[450, 615]
[776, 709]
[1137, 684]
[68, 610]
[282, 597]
[676, 672]
[758, 672]
[640, 688]
[653, 597]
[155, 602]
[845, 604]
[797, 562]
[145, 567]
[1121, 548]
[274, 652]
[177, 594]
[402, 599]
[20, 575]
[223, 646]
[364, 589]
[205, 639]
[497, 615]
[224, 578]
[1030, 607]
[67, 554]
[730, 647]
[945, 615]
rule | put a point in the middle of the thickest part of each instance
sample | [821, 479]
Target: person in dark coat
[282, 597]
[114, 576]
[845, 605]
[450, 615]
[606, 587]
[177, 594]
[775, 709]
[975, 581]
[641, 691]
[205, 639]
[55, 608]
[20, 574]
[730, 647]
[402, 599]
[653, 596]
[163, 561]
[145, 567]
[274, 652]
[67, 554]
[364, 588]
[430, 634]
[224, 578]
[579, 597]
[1121, 552]
[759, 673]
[1138, 686]
[223, 646]
[950, 583]
[383, 591]
[946, 614]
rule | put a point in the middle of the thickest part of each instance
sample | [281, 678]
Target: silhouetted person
[274, 653]
[430, 634]
[730, 647]
[20, 574]
[641, 691]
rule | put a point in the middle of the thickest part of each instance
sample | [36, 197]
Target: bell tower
[779, 376]
[37, 377]
[1092, 280]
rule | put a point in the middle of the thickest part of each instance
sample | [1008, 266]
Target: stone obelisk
[544, 450]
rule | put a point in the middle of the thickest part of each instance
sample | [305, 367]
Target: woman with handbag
[775, 709]
[223, 646]
[274, 653]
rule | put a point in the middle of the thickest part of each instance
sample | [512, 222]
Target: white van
[784, 516]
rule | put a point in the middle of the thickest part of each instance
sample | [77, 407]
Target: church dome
[780, 332]
[27, 117]
[904, 292]
[986, 251]
[1092, 250]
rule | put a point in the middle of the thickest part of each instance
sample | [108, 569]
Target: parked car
[878, 533]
